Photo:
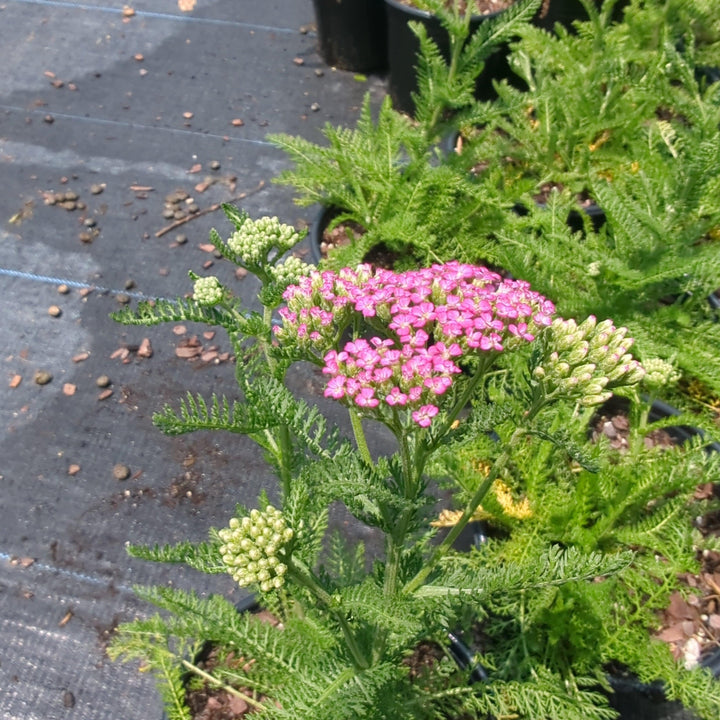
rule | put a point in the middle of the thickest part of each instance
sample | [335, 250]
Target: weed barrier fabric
[137, 107]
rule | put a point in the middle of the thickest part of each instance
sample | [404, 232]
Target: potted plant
[423, 353]
[466, 42]
[472, 38]
[351, 34]
[388, 177]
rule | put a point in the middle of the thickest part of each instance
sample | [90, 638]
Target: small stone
[15, 381]
[188, 115]
[168, 213]
[214, 165]
[143, 72]
[145, 350]
[85, 237]
[97, 188]
[237, 122]
[181, 239]
[54, 311]
[122, 298]
[81, 205]
[298, 61]
[319, 72]
[68, 699]
[43, 377]
[105, 394]
[63, 289]
[128, 12]
[90, 222]
[73, 469]
[315, 107]
[179, 215]
[139, 57]
[103, 381]
[69, 205]
[240, 273]
[69, 389]
[121, 472]
[49, 119]
[71, 195]
[193, 208]
[129, 284]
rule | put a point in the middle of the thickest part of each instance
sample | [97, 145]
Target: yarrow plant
[421, 352]
[437, 318]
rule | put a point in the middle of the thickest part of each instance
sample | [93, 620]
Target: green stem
[227, 688]
[359, 434]
[456, 47]
[396, 539]
[441, 550]
[469, 390]
[303, 576]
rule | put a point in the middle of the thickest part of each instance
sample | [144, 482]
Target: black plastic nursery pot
[403, 46]
[352, 34]
[318, 247]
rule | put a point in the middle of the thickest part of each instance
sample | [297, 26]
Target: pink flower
[366, 398]
[438, 385]
[335, 387]
[424, 415]
[396, 397]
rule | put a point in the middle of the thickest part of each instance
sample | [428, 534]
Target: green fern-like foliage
[546, 497]
[368, 173]
[446, 86]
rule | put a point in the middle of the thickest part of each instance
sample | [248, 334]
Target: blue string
[71, 283]
[137, 126]
[161, 16]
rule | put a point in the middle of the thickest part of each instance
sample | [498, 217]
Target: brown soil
[345, 233]
[482, 7]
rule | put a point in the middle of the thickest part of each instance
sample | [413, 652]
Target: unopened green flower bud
[257, 239]
[590, 400]
[596, 387]
[251, 546]
[208, 291]
[578, 353]
[584, 372]
[659, 373]
[587, 325]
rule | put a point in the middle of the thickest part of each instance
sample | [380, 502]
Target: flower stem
[359, 434]
[303, 576]
[227, 688]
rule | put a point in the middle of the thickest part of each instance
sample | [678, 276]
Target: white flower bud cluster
[290, 271]
[659, 373]
[251, 547]
[587, 361]
[208, 291]
[256, 239]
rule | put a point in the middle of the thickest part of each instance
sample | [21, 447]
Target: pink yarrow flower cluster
[427, 319]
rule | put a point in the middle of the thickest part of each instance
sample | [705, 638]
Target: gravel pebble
[121, 472]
